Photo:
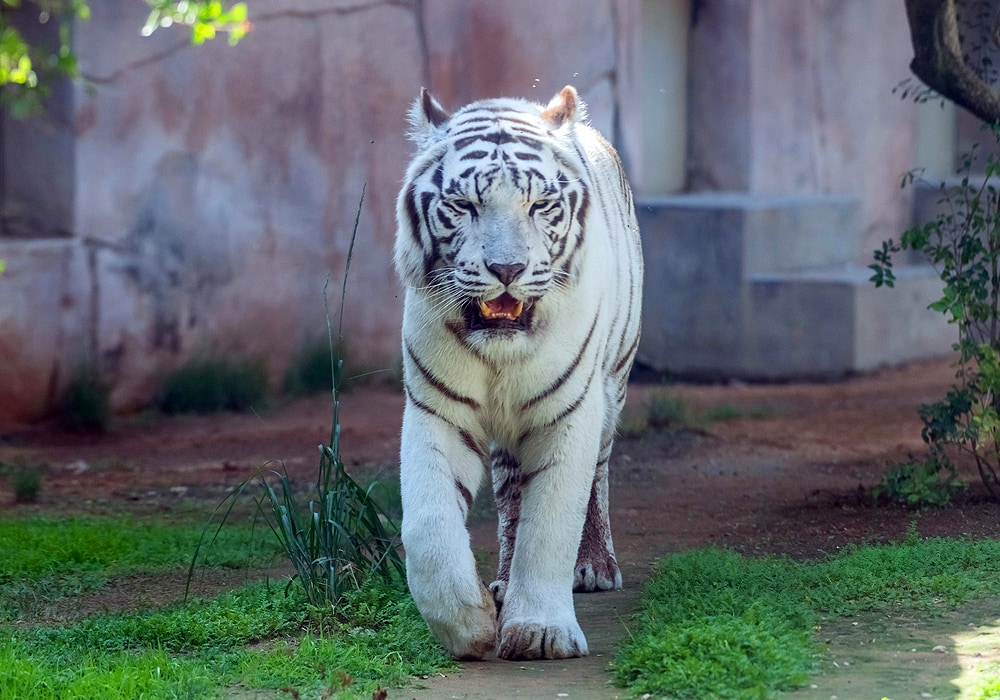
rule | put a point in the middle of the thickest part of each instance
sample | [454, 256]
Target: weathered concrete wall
[212, 190]
[801, 101]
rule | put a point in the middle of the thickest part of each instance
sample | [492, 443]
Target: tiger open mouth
[502, 312]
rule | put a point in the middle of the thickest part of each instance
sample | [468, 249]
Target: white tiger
[519, 249]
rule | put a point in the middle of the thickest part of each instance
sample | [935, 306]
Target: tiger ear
[565, 108]
[426, 117]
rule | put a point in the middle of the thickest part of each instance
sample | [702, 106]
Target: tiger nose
[506, 273]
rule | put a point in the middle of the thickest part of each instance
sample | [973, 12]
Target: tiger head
[491, 212]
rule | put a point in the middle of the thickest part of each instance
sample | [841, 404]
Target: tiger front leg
[537, 619]
[439, 476]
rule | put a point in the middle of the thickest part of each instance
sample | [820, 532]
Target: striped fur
[519, 250]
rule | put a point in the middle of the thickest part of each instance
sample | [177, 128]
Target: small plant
[342, 537]
[963, 243]
[25, 479]
[666, 411]
[84, 406]
[918, 484]
[209, 385]
[310, 371]
[27, 484]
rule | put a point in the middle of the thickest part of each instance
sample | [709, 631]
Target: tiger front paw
[536, 639]
[469, 631]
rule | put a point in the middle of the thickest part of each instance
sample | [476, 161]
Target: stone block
[763, 287]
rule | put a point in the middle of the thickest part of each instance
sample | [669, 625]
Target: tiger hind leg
[596, 565]
[508, 481]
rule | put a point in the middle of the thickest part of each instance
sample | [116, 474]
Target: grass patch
[258, 637]
[663, 410]
[46, 559]
[715, 624]
[209, 385]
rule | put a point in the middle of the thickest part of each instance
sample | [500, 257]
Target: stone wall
[801, 101]
[206, 194]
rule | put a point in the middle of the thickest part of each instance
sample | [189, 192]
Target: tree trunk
[939, 62]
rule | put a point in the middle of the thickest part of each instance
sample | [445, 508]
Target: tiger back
[519, 250]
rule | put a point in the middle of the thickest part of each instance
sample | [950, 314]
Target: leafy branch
[26, 71]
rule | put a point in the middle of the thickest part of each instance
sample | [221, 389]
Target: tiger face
[498, 217]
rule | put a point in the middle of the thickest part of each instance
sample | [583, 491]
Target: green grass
[257, 637]
[45, 559]
[715, 624]
[260, 637]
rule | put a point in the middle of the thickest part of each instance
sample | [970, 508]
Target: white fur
[497, 376]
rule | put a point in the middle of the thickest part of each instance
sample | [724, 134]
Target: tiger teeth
[511, 315]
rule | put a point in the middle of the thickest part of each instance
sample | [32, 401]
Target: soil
[789, 471]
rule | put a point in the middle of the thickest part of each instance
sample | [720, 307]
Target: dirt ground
[790, 475]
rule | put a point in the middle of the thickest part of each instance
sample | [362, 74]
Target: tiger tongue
[504, 306]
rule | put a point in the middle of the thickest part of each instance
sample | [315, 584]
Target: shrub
[25, 479]
[84, 406]
[311, 373]
[204, 386]
[916, 484]
[666, 411]
[963, 243]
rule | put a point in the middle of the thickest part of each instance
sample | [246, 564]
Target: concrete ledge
[765, 288]
[832, 322]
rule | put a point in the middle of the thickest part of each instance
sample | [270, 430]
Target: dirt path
[790, 474]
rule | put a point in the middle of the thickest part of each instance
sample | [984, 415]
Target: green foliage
[208, 385]
[313, 370]
[206, 19]
[26, 72]
[25, 479]
[714, 624]
[963, 243]
[666, 411]
[84, 406]
[340, 540]
[917, 484]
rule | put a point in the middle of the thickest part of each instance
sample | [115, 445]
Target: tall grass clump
[213, 384]
[341, 537]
